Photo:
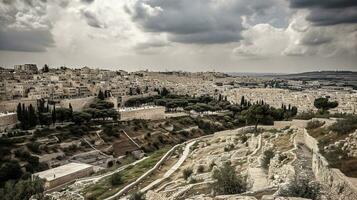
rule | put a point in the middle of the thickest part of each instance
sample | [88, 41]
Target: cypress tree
[71, 110]
[242, 101]
[19, 112]
[101, 95]
[54, 114]
[32, 116]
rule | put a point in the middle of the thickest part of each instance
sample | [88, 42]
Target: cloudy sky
[194, 35]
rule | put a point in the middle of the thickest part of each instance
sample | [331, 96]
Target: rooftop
[61, 171]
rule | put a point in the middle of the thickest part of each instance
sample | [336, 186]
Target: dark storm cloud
[196, 21]
[328, 12]
[25, 40]
[323, 3]
[30, 33]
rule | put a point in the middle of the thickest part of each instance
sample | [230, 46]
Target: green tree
[227, 181]
[137, 196]
[63, 114]
[101, 95]
[71, 110]
[257, 114]
[116, 179]
[45, 68]
[81, 117]
[323, 104]
[23, 189]
[19, 112]
[10, 171]
[32, 117]
[164, 92]
[54, 114]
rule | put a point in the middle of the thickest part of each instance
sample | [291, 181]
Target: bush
[267, 156]
[116, 179]
[302, 188]
[200, 169]
[345, 126]
[137, 196]
[23, 189]
[314, 124]
[227, 181]
[34, 147]
[187, 173]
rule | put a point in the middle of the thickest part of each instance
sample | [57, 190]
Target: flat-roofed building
[64, 174]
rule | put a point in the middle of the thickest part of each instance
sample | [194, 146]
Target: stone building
[27, 68]
[64, 174]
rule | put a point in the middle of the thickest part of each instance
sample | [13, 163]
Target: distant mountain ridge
[322, 75]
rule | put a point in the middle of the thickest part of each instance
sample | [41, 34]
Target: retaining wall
[340, 186]
[11, 106]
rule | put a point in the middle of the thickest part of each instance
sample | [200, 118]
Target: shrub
[345, 126]
[267, 156]
[228, 147]
[243, 138]
[34, 147]
[227, 181]
[314, 124]
[302, 188]
[200, 169]
[137, 196]
[116, 179]
[187, 173]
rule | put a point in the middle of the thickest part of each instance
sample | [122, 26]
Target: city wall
[78, 103]
[7, 120]
[11, 105]
[150, 113]
[341, 187]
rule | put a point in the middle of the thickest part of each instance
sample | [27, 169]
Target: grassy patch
[104, 188]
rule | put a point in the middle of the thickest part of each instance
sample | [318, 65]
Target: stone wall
[77, 104]
[294, 123]
[68, 178]
[10, 106]
[340, 186]
[149, 113]
[7, 120]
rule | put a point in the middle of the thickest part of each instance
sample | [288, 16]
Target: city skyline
[275, 36]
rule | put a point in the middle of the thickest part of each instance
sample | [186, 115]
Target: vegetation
[302, 188]
[23, 189]
[323, 104]
[345, 126]
[137, 196]
[314, 124]
[267, 156]
[200, 169]
[227, 181]
[187, 173]
[116, 179]
[104, 188]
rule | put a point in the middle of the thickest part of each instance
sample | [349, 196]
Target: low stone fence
[340, 186]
